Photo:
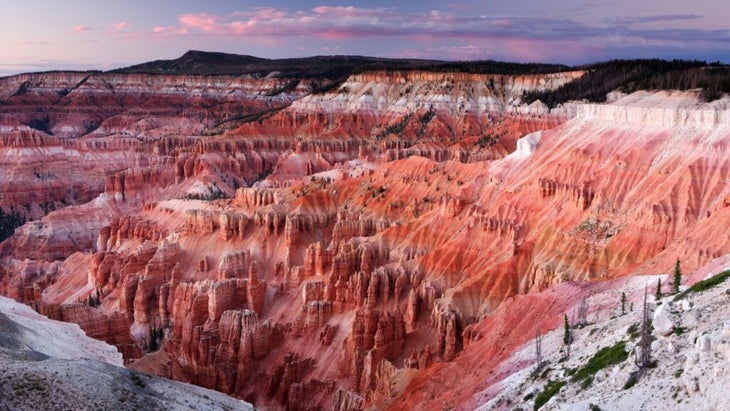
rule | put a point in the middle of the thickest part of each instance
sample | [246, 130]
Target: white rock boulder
[662, 322]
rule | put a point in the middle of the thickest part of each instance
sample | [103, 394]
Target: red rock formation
[301, 261]
[114, 328]
[234, 265]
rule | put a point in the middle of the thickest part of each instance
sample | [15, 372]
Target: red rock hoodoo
[362, 247]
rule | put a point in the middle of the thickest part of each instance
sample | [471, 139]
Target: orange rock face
[381, 245]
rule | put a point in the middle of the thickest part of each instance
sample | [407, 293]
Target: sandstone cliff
[351, 249]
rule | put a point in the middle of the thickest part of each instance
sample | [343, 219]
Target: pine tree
[567, 338]
[623, 303]
[152, 345]
[677, 277]
[658, 295]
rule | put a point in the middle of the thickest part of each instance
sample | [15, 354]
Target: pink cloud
[121, 25]
[518, 37]
[79, 29]
[203, 22]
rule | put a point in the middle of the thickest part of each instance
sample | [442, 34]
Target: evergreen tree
[623, 303]
[658, 295]
[677, 277]
[567, 338]
[152, 339]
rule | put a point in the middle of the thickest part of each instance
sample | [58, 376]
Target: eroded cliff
[342, 251]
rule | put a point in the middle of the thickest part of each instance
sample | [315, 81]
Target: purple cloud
[453, 33]
[333, 22]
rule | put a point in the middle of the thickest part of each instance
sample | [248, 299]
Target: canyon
[386, 243]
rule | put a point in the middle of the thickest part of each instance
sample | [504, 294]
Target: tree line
[633, 75]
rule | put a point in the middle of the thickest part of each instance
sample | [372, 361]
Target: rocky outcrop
[234, 265]
[375, 336]
[333, 252]
[114, 328]
[314, 315]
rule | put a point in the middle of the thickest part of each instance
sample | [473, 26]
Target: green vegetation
[658, 295]
[545, 373]
[677, 277]
[633, 379]
[41, 124]
[633, 75]
[30, 383]
[212, 63]
[603, 358]
[94, 299]
[154, 336]
[490, 138]
[398, 127]
[586, 383]
[137, 380]
[215, 193]
[9, 222]
[552, 388]
[703, 285]
[678, 373]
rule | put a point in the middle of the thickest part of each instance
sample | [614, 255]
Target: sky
[40, 35]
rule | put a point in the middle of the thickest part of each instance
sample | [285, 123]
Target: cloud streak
[354, 22]
[79, 29]
[561, 36]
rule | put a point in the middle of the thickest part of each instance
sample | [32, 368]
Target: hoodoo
[391, 238]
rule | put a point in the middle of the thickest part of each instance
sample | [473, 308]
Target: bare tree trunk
[643, 358]
[538, 351]
[583, 313]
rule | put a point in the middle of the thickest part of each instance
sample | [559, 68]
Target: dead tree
[582, 313]
[539, 363]
[642, 357]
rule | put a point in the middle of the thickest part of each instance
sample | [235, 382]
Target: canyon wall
[336, 250]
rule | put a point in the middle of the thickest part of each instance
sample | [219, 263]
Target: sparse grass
[586, 383]
[137, 380]
[606, 356]
[552, 388]
[633, 331]
[545, 373]
[704, 285]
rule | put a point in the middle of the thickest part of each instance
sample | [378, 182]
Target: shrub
[606, 356]
[704, 285]
[552, 388]
[633, 379]
[633, 331]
